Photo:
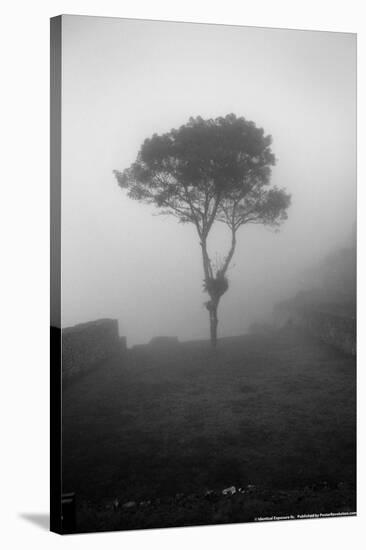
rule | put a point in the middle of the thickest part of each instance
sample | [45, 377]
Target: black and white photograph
[203, 277]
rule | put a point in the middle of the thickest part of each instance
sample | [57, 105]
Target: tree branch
[230, 255]
[207, 268]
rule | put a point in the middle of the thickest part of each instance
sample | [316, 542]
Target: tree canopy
[207, 170]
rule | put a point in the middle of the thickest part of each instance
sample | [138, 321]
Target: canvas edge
[55, 276]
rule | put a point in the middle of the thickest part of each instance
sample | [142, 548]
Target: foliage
[207, 170]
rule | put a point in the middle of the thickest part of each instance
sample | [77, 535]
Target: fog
[124, 80]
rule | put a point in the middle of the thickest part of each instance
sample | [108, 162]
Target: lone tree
[207, 171]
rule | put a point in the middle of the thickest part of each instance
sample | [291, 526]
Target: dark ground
[275, 412]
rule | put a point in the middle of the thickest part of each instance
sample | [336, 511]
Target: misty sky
[124, 80]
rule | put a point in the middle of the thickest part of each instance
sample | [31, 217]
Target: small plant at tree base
[207, 171]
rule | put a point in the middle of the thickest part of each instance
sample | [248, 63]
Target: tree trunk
[213, 325]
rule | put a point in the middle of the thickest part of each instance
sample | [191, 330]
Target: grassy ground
[275, 411]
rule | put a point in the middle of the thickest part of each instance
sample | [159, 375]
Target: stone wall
[334, 324]
[85, 345]
[336, 330]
